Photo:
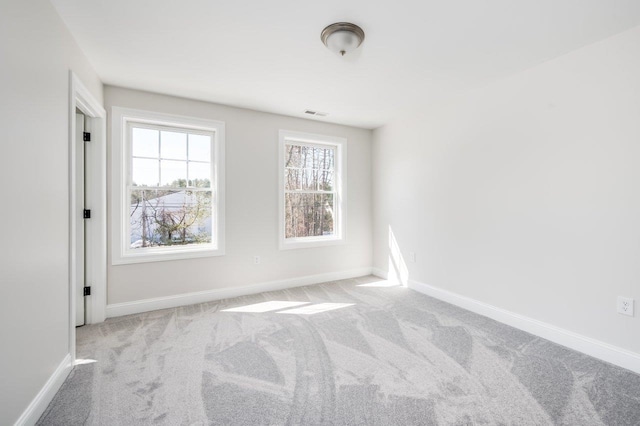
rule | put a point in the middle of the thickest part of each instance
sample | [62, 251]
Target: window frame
[122, 121]
[340, 202]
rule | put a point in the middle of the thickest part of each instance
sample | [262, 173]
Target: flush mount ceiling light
[342, 37]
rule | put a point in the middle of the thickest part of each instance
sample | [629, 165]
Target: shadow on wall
[397, 270]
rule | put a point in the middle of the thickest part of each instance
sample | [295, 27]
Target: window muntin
[312, 200]
[170, 199]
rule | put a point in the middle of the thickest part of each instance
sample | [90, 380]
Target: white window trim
[340, 235]
[120, 119]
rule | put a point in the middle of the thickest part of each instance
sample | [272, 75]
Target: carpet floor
[349, 352]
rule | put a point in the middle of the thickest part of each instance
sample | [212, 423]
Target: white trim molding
[42, 400]
[146, 305]
[340, 186]
[595, 348]
[96, 181]
[380, 273]
[122, 120]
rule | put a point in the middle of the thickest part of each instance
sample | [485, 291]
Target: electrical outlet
[625, 306]
[412, 256]
[256, 260]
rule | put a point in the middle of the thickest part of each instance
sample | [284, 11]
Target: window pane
[168, 218]
[173, 173]
[302, 179]
[200, 175]
[310, 179]
[325, 180]
[309, 215]
[307, 154]
[199, 148]
[326, 158]
[144, 143]
[292, 156]
[145, 172]
[173, 145]
[292, 179]
[316, 155]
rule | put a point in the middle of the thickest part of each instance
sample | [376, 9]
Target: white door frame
[96, 169]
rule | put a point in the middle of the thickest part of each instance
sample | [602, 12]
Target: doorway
[81, 235]
[87, 209]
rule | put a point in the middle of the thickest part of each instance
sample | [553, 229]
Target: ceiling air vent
[318, 113]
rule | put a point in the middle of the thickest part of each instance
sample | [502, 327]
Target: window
[312, 190]
[168, 187]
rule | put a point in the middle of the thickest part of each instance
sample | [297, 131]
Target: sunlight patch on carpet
[316, 309]
[381, 284]
[265, 306]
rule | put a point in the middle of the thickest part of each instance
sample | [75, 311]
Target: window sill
[166, 255]
[310, 242]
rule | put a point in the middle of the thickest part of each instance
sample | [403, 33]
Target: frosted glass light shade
[343, 42]
[342, 37]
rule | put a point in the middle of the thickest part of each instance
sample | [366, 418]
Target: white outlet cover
[625, 306]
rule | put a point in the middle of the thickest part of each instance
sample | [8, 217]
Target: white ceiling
[267, 55]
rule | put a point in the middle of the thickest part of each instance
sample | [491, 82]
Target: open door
[80, 222]
[87, 209]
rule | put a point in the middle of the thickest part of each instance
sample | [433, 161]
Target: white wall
[36, 52]
[525, 194]
[251, 206]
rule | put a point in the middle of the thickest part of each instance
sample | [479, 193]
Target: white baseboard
[40, 403]
[595, 348]
[380, 273]
[145, 305]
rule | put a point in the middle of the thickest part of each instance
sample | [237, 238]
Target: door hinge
[86, 214]
[86, 136]
[87, 291]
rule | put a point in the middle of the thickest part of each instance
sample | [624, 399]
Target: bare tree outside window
[309, 185]
[169, 217]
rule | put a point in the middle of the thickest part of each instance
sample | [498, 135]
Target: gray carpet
[386, 356]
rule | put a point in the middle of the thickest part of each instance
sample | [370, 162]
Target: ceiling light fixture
[342, 37]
